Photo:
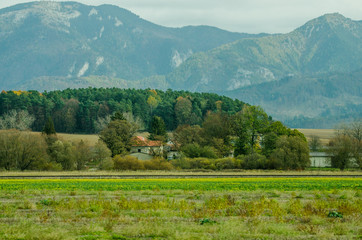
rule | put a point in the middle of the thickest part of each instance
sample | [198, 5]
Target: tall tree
[315, 143]
[249, 125]
[217, 131]
[291, 152]
[117, 136]
[157, 129]
[118, 116]
[346, 146]
[186, 134]
[49, 127]
[20, 120]
[183, 109]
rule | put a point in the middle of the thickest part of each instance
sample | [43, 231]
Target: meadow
[325, 135]
[202, 208]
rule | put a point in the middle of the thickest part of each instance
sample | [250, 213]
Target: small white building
[319, 159]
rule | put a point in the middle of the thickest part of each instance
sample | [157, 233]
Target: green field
[204, 208]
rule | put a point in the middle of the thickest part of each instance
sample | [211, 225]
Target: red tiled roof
[139, 141]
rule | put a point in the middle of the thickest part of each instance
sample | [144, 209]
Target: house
[319, 159]
[145, 149]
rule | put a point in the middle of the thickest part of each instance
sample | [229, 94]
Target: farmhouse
[145, 149]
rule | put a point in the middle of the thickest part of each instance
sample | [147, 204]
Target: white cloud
[251, 16]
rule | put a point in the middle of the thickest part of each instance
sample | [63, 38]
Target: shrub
[201, 163]
[196, 151]
[157, 164]
[227, 163]
[127, 163]
[106, 164]
[255, 161]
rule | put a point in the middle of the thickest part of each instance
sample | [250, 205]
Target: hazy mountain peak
[51, 14]
[325, 20]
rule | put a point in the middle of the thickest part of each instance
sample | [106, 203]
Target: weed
[206, 221]
[335, 214]
[45, 202]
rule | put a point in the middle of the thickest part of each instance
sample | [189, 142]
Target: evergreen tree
[157, 129]
[118, 116]
[49, 127]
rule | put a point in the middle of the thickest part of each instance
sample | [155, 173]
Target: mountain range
[310, 77]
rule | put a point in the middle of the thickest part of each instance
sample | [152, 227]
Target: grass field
[253, 208]
[324, 134]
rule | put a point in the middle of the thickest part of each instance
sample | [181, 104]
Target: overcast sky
[252, 16]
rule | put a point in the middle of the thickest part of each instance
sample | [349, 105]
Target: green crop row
[217, 184]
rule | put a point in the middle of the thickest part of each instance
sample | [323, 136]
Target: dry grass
[90, 139]
[324, 134]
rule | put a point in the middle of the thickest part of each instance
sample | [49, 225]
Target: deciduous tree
[117, 136]
[291, 152]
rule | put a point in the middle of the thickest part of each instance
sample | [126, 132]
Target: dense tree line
[205, 126]
[88, 110]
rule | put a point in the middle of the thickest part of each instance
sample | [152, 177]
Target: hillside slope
[42, 41]
[310, 77]
[331, 43]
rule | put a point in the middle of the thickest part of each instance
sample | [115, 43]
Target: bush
[197, 151]
[50, 166]
[255, 161]
[157, 164]
[227, 163]
[21, 150]
[201, 163]
[106, 164]
[127, 163]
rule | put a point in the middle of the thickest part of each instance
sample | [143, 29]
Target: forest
[87, 110]
[209, 131]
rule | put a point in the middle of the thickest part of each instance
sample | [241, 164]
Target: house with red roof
[145, 149]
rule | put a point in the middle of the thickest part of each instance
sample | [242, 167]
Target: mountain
[331, 43]
[319, 101]
[42, 42]
[311, 73]
[310, 77]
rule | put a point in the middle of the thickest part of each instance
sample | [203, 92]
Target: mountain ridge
[103, 40]
[52, 45]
